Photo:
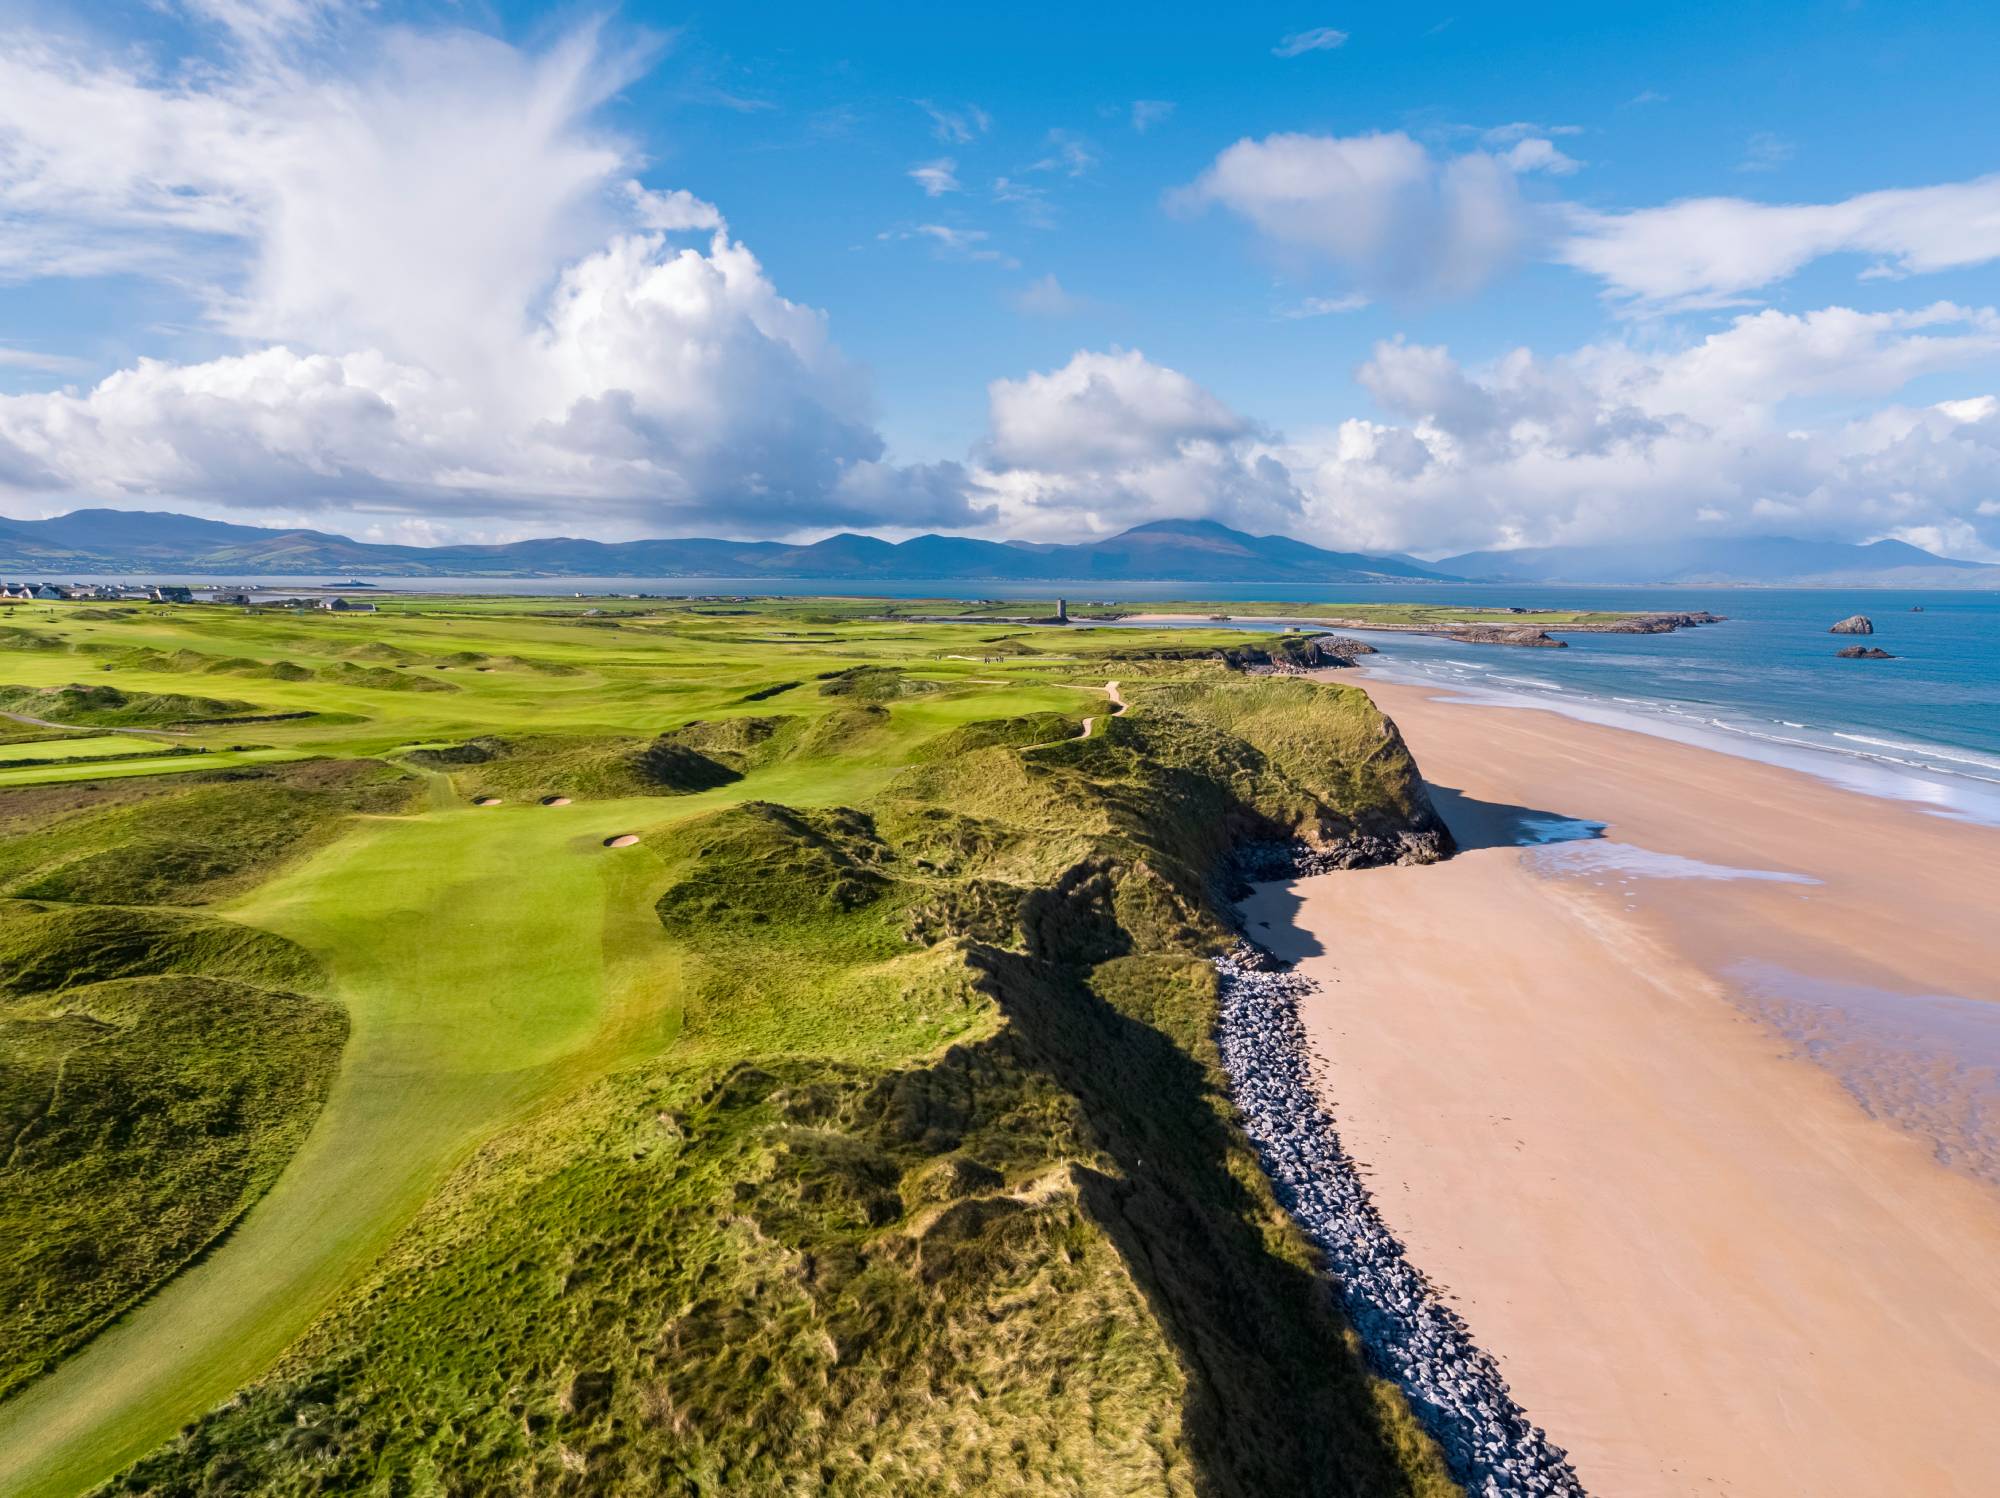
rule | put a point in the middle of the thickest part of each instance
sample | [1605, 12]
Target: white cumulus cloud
[1399, 220]
[451, 295]
[1616, 441]
[1112, 439]
[1709, 252]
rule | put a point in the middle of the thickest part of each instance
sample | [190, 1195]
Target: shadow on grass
[1278, 1400]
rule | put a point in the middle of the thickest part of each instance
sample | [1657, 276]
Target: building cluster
[93, 593]
[169, 593]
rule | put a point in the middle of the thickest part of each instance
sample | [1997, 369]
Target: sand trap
[555, 800]
[485, 800]
[623, 840]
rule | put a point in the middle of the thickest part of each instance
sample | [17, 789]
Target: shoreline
[1409, 1335]
[1718, 1239]
[1874, 771]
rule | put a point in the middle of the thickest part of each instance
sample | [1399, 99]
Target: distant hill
[1199, 551]
[1771, 560]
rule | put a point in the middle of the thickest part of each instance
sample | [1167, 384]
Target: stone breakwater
[1412, 1338]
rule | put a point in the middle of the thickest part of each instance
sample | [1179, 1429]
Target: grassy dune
[856, 1130]
[160, 1070]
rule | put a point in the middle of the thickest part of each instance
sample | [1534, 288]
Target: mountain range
[1192, 551]
[126, 541]
[1769, 560]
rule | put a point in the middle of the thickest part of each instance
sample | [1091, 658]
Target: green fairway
[468, 997]
[505, 976]
[139, 764]
[100, 747]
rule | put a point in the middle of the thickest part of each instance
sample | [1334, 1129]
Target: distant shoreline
[840, 585]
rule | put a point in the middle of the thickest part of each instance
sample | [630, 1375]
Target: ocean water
[1928, 1063]
[1765, 684]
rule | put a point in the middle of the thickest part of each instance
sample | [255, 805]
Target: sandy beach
[1694, 1121]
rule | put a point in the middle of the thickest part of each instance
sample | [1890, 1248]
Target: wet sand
[1713, 1250]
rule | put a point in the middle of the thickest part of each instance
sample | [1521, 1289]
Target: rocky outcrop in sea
[1411, 1336]
[1853, 624]
[1507, 634]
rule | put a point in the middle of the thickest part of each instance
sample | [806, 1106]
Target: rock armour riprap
[1412, 1337]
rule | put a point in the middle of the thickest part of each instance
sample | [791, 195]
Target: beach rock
[1660, 624]
[1507, 634]
[1853, 624]
[1863, 653]
[1335, 650]
[1410, 1335]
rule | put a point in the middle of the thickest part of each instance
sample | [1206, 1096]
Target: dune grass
[857, 1129]
[141, 1117]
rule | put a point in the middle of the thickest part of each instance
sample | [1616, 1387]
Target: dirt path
[1110, 689]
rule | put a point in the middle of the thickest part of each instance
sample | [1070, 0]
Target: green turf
[88, 747]
[859, 1122]
[143, 1115]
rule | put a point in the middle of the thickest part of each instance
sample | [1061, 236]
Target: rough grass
[111, 707]
[156, 1072]
[856, 1131]
[189, 840]
[906, 1208]
[1029, 728]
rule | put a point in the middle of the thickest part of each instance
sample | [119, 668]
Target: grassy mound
[939, 1190]
[382, 650]
[987, 733]
[580, 766]
[14, 637]
[759, 862]
[183, 840]
[385, 679]
[110, 707]
[873, 684]
[678, 769]
[741, 744]
[156, 1073]
[51, 948]
[455, 756]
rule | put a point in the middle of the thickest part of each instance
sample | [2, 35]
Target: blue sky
[1384, 276]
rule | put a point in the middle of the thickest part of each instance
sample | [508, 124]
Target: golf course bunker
[623, 840]
[485, 800]
[555, 800]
